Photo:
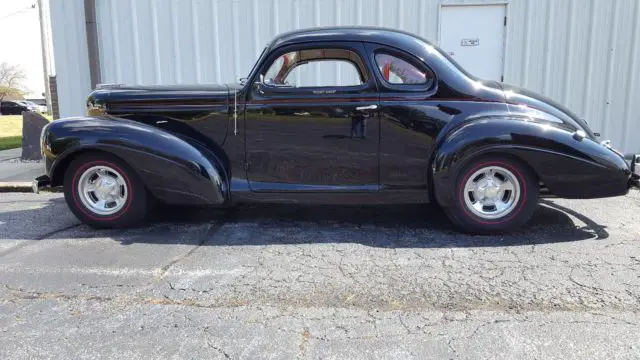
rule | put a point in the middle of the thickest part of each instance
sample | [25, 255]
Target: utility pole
[45, 70]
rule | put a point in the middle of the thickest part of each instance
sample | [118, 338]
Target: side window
[397, 71]
[316, 68]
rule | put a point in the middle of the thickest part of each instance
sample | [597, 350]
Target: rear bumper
[634, 181]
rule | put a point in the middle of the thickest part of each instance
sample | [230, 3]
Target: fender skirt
[176, 170]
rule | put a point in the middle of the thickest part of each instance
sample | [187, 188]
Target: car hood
[518, 98]
[120, 97]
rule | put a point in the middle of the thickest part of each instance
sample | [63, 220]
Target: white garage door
[474, 36]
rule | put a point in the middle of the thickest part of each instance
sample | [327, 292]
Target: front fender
[174, 169]
[567, 165]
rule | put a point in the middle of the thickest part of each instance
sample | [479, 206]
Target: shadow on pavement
[389, 226]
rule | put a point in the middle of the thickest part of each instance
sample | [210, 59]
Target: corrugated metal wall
[71, 56]
[582, 53]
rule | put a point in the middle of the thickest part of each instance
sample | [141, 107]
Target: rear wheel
[103, 191]
[493, 194]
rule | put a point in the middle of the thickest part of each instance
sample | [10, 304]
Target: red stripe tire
[104, 192]
[493, 194]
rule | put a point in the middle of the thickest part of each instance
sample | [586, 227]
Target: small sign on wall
[470, 42]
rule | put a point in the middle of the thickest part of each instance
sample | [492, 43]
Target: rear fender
[569, 166]
[176, 170]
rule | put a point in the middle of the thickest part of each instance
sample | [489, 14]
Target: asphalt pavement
[319, 282]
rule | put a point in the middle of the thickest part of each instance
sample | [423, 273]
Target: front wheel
[493, 194]
[103, 191]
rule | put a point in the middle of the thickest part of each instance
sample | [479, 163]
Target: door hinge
[505, 21]
[502, 78]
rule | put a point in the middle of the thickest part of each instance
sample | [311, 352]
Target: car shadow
[388, 226]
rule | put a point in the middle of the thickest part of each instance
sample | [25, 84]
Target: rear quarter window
[397, 71]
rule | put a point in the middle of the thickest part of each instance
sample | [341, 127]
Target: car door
[10, 108]
[410, 118]
[6, 108]
[312, 122]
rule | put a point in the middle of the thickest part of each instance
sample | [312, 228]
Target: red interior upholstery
[386, 70]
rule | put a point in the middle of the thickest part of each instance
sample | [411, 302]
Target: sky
[20, 35]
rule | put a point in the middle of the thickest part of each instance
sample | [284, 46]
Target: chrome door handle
[368, 107]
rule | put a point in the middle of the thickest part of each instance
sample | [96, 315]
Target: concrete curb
[15, 186]
[23, 187]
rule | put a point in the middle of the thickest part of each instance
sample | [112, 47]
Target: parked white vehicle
[33, 106]
[28, 104]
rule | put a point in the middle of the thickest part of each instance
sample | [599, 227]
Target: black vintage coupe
[332, 115]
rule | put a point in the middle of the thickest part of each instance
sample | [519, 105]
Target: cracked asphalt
[319, 282]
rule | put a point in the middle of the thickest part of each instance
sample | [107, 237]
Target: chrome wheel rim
[102, 190]
[492, 192]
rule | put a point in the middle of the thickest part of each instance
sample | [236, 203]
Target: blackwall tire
[104, 192]
[493, 194]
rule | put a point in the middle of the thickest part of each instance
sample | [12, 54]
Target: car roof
[385, 36]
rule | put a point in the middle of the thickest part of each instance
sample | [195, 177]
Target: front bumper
[39, 183]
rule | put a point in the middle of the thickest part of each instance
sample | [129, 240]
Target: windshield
[259, 60]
